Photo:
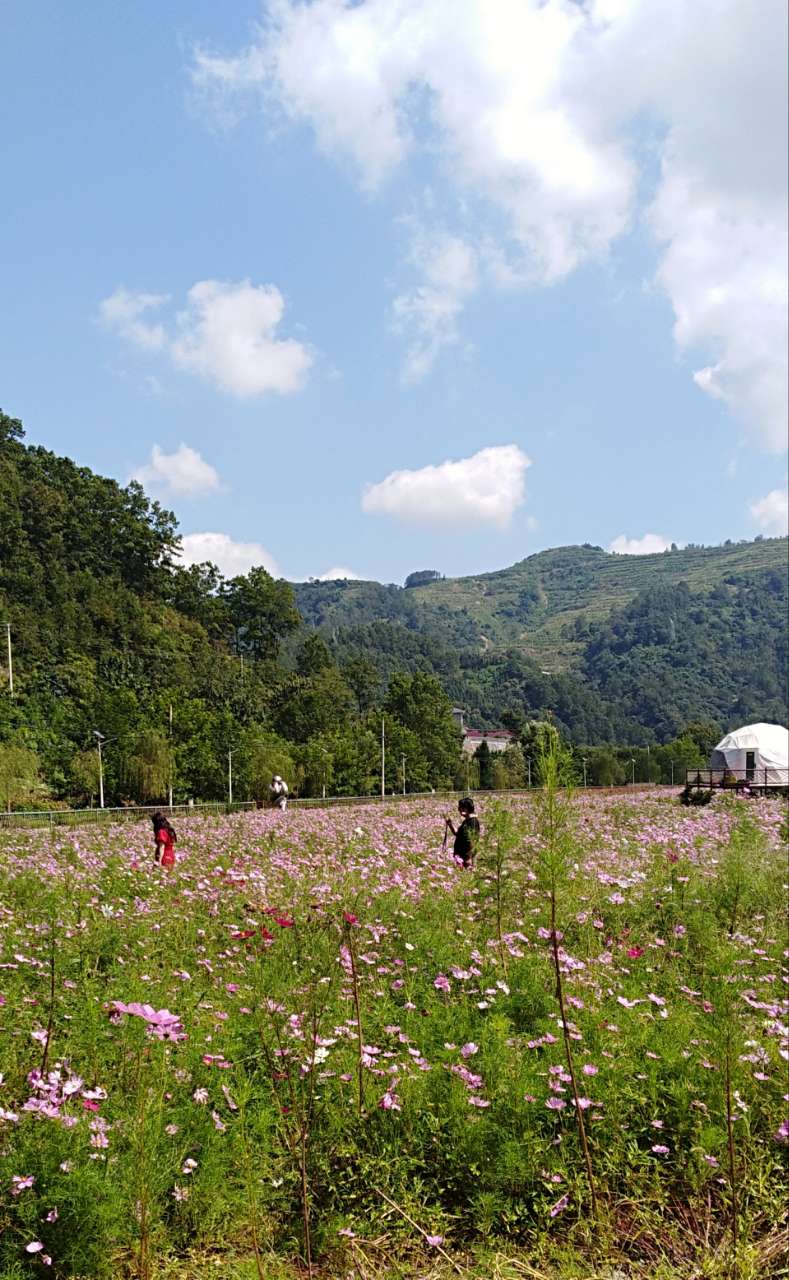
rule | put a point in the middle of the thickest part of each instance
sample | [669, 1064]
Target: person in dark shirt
[466, 833]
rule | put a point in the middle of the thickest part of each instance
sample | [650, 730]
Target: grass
[319, 1046]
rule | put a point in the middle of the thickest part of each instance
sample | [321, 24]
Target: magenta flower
[659, 1149]
[560, 1206]
[160, 1022]
[441, 983]
[782, 1133]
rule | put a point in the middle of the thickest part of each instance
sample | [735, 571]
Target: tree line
[182, 671]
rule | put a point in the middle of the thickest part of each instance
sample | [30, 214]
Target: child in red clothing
[164, 836]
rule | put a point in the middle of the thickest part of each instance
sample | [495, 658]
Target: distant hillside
[533, 605]
[576, 630]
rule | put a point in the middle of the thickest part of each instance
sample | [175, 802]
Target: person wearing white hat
[278, 793]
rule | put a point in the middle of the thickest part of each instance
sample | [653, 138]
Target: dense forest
[181, 671]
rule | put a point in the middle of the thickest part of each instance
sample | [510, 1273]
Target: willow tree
[148, 769]
[19, 774]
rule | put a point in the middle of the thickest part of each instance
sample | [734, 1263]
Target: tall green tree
[421, 705]
[262, 611]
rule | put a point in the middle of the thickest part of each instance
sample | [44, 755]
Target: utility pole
[528, 766]
[583, 762]
[7, 626]
[383, 756]
[404, 774]
[230, 777]
[633, 772]
[99, 740]
[170, 762]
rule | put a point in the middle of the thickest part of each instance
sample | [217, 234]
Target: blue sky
[464, 259]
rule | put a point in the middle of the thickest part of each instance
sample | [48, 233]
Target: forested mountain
[178, 667]
[620, 648]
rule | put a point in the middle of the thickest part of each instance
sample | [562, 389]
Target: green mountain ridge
[536, 633]
[534, 605]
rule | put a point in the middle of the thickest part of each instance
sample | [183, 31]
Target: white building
[497, 740]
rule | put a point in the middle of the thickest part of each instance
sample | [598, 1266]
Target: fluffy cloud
[547, 118]
[230, 557]
[772, 511]
[183, 473]
[649, 545]
[339, 572]
[226, 333]
[485, 488]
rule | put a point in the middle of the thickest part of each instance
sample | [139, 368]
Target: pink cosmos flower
[560, 1206]
[555, 1104]
[434, 1241]
[475, 1101]
[659, 1149]
[20, 1184]
[589, 1069]
[441, 983]
[468, 1050]
[160, 1022]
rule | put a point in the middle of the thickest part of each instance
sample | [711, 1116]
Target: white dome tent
[757, 755]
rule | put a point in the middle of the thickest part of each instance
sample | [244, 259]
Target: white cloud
[183, 472]
[339, 572]
[428, 313]
[487, 81]
[231, 558]
[486, 488]
[548, 117]
[226, 333]
[122, 311]
[772, 511]
[649, 545]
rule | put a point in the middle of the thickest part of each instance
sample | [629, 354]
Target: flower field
[318, 1044]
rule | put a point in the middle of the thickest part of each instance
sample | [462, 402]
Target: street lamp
[324, 752]
[528, 766]
[403, 759]
[230, 775]
[100, 738]
[583, 762]
[633, 772]
[672, 773]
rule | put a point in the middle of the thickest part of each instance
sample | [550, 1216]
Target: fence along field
[320, 1046]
